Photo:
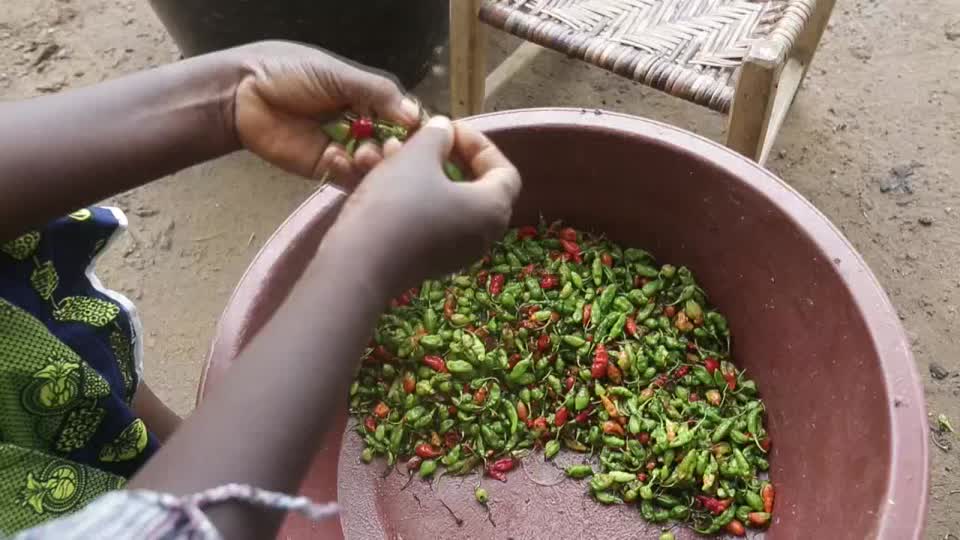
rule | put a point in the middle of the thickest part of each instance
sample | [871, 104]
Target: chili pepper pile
[351, 129]
[561, 338]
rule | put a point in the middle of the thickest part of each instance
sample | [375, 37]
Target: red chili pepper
[572, 249]
[694, 397]
[661, 380]
[765, 444]
[758, 519]
[522, 412]
[711, 364]
[569, 234]
[414, 463]
[569, 382]
[612, 428]
[731, 379]
[381, 410]
[614, 374]
[496, 284]
[543, 343]
[482, 276]
[451, 438]
[631, 326]
[527, 232]
[427, 451]
[452, 409]
[651, 465]
[767, 494]
[480, 395]
[514, 358]
[643, 438]
[435, 363]
[496, 475]
[549, 281]
[409, 384]
[681, 372]
[528, 270]
[504, 464]
[606, 259]
[610, 407]
[691, 346]
[449, 305]
[582, 417]
[362, 128]
[540, 424]
[560, 417]
[587, 311]
[669, 311]
[736, 528]
[369, 424]
[600, 361]
[642, 476]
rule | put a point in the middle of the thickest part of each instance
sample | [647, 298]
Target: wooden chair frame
[769, 77]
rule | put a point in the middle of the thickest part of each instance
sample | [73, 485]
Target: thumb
[370, 93]
[434, 140]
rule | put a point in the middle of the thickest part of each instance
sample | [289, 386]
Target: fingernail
[410, 109]
[341, 164]
[440, 122]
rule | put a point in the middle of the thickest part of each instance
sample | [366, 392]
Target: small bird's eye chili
[561, 339]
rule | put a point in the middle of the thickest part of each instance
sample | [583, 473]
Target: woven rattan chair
[745, 58]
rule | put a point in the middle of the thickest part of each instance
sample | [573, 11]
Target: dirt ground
[872, 140]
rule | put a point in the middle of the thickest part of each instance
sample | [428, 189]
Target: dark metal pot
[392, 35]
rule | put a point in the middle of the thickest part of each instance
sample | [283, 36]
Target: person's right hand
[413, 222]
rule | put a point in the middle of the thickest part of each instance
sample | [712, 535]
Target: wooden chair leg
[809, 38]
[753, 100]
[468, 58]
[765, 95]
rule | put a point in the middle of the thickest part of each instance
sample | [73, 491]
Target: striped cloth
[150, 515]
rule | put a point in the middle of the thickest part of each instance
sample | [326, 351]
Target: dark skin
[405, 222]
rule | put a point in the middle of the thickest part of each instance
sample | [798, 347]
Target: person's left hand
[289, 92]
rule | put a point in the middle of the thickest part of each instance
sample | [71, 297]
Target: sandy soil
[872, 140]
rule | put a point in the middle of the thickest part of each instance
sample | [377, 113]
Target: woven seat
[692, 49]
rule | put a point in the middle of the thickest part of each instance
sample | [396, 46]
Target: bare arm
[160, 419]
[296, 371]
[62, 152]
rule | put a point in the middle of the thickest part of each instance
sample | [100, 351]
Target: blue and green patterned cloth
[70, 362]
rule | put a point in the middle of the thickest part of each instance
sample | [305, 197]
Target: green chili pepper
[427, 468]
[481, 495]
[579, 471]
[613, 441]
[582, 399]
[459, 367]
[622, 477]
[606, 498]
[551, 448]
[597, 271]
[623, 304]
[574, 341]
[722, 430]
[511, 415]
[754, 500]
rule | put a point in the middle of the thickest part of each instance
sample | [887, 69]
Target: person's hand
[291, 90]
[412, 222]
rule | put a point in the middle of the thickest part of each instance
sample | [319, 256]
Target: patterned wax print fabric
[70, 362]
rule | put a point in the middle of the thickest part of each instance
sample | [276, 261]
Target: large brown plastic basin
[810, 321]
